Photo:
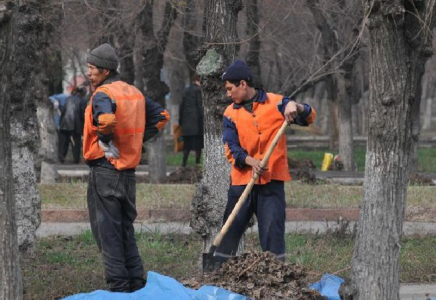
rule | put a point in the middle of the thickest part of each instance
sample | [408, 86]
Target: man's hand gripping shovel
[209, 261]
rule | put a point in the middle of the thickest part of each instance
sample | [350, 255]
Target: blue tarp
[160, 287]
[328, 286]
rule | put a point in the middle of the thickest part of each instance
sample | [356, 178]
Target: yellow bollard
[327, 161]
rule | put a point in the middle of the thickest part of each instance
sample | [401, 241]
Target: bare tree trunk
[427, 94]
[10, 274]
[400, 44]
[156, 89]
[191, 41]
[177, 85]
[48, 150]
[416, 128]
[126, 41]
[211, 193]
[338, 84]
[346, 152]
[25, 90]
[427, 114]
[253, 34]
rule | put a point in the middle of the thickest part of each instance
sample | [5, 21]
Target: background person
[117, 121]
[191, 117]
[71, 124]
[249, 126]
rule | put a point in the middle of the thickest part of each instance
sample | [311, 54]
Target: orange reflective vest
[256, 131]
[129, 130]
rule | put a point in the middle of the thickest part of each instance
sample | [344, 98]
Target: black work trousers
[112, 210]
[268, 203]
[65, 138]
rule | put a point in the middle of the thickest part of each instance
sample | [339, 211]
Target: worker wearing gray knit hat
[104, 56]
[115, 123]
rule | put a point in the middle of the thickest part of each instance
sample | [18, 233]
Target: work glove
[110, 151]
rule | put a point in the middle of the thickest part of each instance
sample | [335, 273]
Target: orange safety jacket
[255, 132]
[129, 130]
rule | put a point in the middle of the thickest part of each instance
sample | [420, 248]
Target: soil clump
[187, 175]
[302, 170]
[259, 276]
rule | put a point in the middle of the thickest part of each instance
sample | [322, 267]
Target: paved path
[62, 228]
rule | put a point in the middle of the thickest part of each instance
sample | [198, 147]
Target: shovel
[209, 261]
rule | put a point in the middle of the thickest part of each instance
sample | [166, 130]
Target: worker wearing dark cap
[118, 120]
[250, 124]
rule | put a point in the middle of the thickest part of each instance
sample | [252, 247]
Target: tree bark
[427, 94]
[346, 150]
[252, 59]
[25, 89]
[191, 41]
[400, 42]
[48, 150]
[10, 274]
[156, 89]
[211, 193]
[338, 84]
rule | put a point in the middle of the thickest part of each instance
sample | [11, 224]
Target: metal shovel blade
[210, 263]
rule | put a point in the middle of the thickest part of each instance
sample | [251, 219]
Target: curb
[184, 215]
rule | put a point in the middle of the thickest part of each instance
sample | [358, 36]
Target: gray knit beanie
[103, 56]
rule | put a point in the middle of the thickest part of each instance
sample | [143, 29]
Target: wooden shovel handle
[249, 186]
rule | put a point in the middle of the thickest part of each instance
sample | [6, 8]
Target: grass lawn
[73, 195]
[426, 158]
[63, 266]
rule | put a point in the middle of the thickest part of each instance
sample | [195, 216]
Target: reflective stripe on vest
[130, 128]
[256, 131]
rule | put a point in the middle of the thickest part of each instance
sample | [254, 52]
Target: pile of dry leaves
[259, 276]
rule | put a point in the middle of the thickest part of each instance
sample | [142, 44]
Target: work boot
[120, 286]
[137, 284]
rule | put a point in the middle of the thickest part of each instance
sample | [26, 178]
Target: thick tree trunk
[48, 150]
[177, 86]
[341, 133]
[191, 41]
[346, 152]
[10, 274]
[427, 114]
[399, 46]
[126, 42]
[211, 193]
[156, 89]
[24, 125]
[253, 34]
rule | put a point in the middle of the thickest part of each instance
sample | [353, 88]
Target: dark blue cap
[237, 71]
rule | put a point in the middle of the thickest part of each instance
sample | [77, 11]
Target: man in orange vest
[118, 120]
[250, 124]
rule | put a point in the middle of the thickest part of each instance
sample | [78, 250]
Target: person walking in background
[71, 125]
[118, 120]
[191, 120]
[250, 124]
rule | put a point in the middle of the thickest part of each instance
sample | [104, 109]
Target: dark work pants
[65, 138]
[268, 203]
[112, 210]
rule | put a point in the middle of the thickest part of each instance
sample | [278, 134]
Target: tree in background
[401, 42]
[26, 87]
[12, 19]
[253, 32]
[339, 25]
[153, 48]
[220, 49]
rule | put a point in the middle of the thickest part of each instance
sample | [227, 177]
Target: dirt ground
[259, 276]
